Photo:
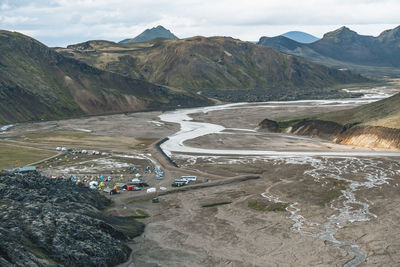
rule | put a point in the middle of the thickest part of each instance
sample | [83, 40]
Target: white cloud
[61, 22]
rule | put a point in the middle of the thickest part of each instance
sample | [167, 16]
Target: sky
[63, 22]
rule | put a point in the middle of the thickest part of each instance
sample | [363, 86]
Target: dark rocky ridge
[53, 222]
[344, 48]
[317, 128]
[268, 125]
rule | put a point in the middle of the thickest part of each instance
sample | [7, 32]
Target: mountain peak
[150, 34]
[342, 32]
[390, 35]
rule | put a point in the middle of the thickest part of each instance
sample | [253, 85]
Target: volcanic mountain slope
[205, 64]
[150, 34]
[346, 49]
[38, 83]
[383, 113]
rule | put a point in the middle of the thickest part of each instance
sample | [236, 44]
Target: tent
[151, 190]
[93, 184]
[136, 180]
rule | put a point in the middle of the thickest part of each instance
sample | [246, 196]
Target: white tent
[151, 190]
[136, 180]
[93, 184]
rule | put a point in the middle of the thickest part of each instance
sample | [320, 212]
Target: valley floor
[302, 210]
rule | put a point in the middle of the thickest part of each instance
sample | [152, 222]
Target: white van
[189, 178]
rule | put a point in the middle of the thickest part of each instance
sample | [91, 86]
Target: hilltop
[150, 34]
[216, 66]
[344, 48]
[39, 83]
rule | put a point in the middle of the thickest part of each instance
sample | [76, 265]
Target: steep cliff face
[268, 126]
[374, 125]
[366, 136]
[370, 136]
[317, 128]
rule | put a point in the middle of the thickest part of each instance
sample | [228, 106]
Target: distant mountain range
[344, 48]
[103, 77]
[36, 83]
[150, 34]
[301, 37]
[221, 67]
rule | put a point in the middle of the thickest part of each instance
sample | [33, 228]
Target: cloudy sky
[63, 22]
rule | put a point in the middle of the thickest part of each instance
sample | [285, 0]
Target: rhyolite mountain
[344, 48]
[36, 83]
[216, 66]
[301, 37]
[150, 34]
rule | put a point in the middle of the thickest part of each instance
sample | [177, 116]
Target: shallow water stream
[335, 165]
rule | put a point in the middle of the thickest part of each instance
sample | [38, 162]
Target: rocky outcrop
[370, 136]
[54, 222]
[366, 136]
[268, 125]
[317, 128]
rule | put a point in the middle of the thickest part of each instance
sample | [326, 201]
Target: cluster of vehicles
[87, 178]
[83, 151]
[184, 181]
[113, 184]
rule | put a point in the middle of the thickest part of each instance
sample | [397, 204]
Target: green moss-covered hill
[383, 113]
[150, 34]
[36, 83]
[216, 63]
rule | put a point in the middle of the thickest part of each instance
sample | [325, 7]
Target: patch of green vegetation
[334, 192]
[15, 156]
[141, 215]
[383, 113]
[216, 204]
[261, 206]
[139, 200]
[349, 125]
